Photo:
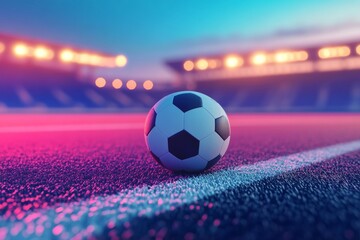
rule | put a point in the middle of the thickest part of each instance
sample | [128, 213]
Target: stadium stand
[51, 78]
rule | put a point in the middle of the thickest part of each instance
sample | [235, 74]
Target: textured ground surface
[90, 176]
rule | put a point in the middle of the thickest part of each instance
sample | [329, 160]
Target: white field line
[91, 216]
[124, 126]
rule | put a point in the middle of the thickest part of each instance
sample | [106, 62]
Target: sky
[149, 32]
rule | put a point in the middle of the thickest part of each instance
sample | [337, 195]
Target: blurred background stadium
[88, 56]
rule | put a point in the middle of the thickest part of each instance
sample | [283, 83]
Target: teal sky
[149, 31]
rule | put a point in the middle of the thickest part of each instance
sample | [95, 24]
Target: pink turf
[45, 168]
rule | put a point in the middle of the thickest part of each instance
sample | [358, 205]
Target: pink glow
[57, 230]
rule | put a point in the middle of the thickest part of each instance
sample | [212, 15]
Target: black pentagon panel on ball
[156, 158]
[183, 145]
[212, 162]
[150, 121]
[187, 101]
[222, 127]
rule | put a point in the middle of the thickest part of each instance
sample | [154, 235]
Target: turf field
[294, 176]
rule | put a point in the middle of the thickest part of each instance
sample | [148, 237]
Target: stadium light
[258, 58]
[334, 52]
[21, 50]
[188, 65]
[2, 47]
[131, 84]
[100, 82]
[148, 85]
[290, 56]
[358, 49]
[67, 55]
[120, 60]
[202, 64]
[233, 61]
[117, 83]
[94, 60]
[83, 58]
[213, 63]
[42, 52]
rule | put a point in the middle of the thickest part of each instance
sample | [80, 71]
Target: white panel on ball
[211, 146]
[170, 120]
[199, 123]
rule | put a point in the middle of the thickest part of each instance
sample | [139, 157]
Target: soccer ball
[187, 131]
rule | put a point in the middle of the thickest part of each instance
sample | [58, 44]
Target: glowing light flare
[95, 60]
[2, 47]
[358, 49]
[148, 85]
[293, 56]
[202, 64]
[131, 84]
[120, 60]
[334, 52]
[83, 58]
[233, 61]
[258, 58]
[117, 83]
[100, 82]
[67, 55]
[21, 50]
[213, 63]
[42, 52]
[188, 65]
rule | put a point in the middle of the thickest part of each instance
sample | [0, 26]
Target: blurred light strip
[92, 59]
[290, 56]
[334, 52]
[262, 58]
[66, 55]
[283, 69]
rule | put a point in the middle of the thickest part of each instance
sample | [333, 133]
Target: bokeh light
[334, 52]
[294, 56]
[131, 84]
[94, 59]
[117, 83]
[100, 82]
[202, 64]
[358, 49]
[42, 52]
[148, 85]
[21, 50]
[188, 65]
[213, 63]
[67, 55]
[233, 61]
[258, 59]
[120, 60]
[83, 58]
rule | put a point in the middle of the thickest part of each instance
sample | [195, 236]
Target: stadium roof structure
[290, 61]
